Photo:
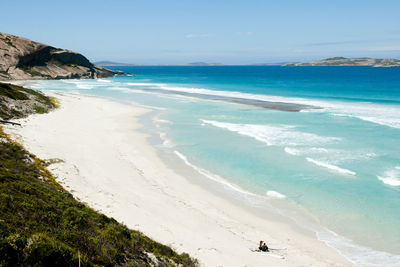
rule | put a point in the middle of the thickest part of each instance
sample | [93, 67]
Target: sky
[229, 32]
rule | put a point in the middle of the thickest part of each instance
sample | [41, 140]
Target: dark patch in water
[282, 106]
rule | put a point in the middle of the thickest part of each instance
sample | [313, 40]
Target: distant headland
[23, 59]
[342, 61]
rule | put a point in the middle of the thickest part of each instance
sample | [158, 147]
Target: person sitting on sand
[263, 247]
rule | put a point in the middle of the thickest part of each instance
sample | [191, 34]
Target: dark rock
[23, 59]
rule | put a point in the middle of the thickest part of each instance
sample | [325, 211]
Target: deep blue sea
[337, 159]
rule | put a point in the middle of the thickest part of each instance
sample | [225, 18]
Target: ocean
[322, 142]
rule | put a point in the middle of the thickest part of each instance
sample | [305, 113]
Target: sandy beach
[108, 163]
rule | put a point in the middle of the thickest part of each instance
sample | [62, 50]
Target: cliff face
[23, 59]
[342, 61]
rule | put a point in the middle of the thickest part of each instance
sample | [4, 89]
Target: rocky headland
[23, 59]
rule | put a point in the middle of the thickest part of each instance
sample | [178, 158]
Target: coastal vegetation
[41, 224]
[17, 102]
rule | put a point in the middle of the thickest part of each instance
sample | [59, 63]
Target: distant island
[342, 61]
[23, 59]
[203, 64]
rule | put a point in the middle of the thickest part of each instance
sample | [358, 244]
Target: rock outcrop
[342, 61]
[23, 59]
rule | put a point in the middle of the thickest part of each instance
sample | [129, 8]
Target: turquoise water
[339, 161]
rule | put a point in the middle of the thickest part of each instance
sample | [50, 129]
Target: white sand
[111, 166]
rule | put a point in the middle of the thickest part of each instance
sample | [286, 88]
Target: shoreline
[110, 164]
[269, 207]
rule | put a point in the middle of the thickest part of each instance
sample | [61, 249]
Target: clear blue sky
[230, 32]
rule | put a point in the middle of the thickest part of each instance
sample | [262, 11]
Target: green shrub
[42, 250]
[12, 91]
[40, 109]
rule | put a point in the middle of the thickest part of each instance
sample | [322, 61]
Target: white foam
[145, 84]
[166, 141]
[163, 121]
[281, 135]
[331, 167]
[374, 115]
[275, 194]
[103, 81]
[84, 86]
[319, 150]
[69, 81]
[213, 176]
[35, 86]
[292, 151]
[80, 84]
[340, 115]
[149, 107]
[391, 177]
[304, 151]
[359, 255]
[389, 181]
[121, 89]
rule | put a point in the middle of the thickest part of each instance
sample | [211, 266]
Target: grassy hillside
[41, 224]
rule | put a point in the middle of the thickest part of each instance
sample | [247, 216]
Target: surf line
[331, 167]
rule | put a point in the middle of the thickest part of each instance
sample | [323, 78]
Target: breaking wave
[331, 167]
[213, 176]
[391, 177]
[282, 135]
[275, 194]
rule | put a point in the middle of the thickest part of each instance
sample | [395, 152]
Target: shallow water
[340, 162]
